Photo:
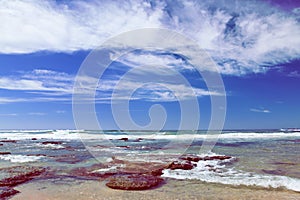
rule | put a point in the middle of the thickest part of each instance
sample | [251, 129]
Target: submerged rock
[193, 158]
[125, 147]
[71, 159]
[185, 165]
[5, 153]
[217, 157]
[13, 176]
[8, 141]
[93, 172]
[274, 172]
[124, 139]
[6, 192]
[154, 169]
[133, 182]
[20, 174]
[52, 142]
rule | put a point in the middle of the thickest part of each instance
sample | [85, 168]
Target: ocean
[264, 159]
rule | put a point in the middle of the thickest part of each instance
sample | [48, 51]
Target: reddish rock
[91, 172]
[8, 141]
[185, 165]
[7, 192]
[195, 158]
[38, 154]
[119, 167]
[52, 142]
[133, 182]
[151, 168]
[19, 174]
[192, 158]
[216, 157]
[5, 153]
[126, 147]
[124, 139]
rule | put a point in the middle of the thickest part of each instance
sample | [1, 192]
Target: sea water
[260, 158]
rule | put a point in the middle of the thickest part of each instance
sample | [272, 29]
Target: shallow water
[268, 159]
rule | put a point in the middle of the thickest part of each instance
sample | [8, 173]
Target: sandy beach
[174, 189]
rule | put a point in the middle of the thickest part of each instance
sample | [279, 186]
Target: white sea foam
[87, 135]
[21, 158]
[106, 169]
[182, 136]
[193, 136]
[40, 134]
[50, 146]
[215, 171]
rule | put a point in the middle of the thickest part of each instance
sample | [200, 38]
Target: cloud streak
[149, 84]
[39, 80]
[261, 110]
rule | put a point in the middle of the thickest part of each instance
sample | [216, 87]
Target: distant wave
[81, 134]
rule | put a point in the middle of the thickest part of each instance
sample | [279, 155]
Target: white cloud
[4, 100]
[46, 86]
[241, 36]
[248, 39]
[261, 110]
[158, 63]
[9, 114]
[37, 113]
[151, 91]
[294, 74]
[39, 80]
[46, 25]
[60, 111]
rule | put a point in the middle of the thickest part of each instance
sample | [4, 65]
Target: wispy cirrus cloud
[37, 113]
[46, 81]
[38, 85]
[294, 74]
[5, 100]
[153, 91]
[241, 36]
[8, 114]
[260, 110]
[60, 111]
[150, 84]
[19, 114]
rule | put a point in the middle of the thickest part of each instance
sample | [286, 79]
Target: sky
[251, 47]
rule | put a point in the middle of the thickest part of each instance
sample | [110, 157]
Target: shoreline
[172, 189]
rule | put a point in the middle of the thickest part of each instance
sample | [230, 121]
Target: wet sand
[174, 189]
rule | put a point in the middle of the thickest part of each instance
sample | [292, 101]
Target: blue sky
[254, 44]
